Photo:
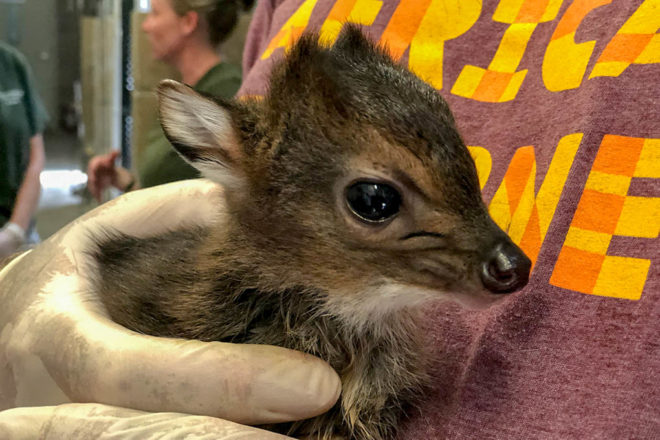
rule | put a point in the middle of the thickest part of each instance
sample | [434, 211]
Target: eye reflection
[373, 202]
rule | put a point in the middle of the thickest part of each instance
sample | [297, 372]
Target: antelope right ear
[202, 131]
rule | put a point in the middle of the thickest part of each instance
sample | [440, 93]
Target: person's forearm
[27, 198]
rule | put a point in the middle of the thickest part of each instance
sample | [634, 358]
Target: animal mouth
[437, 264]
[453, 281]
[443, 273]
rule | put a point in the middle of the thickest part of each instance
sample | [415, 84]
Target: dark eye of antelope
[373, 202]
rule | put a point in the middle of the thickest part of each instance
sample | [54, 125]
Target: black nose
[506, 269]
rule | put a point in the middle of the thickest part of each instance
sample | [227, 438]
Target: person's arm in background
[13, 234]
[30, 190]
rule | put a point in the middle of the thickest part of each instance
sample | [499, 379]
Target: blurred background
[94, 71]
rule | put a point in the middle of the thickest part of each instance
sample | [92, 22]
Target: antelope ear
[202, 131]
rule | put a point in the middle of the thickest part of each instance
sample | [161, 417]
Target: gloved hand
[58, 346]
[12, 237]
[99, 422]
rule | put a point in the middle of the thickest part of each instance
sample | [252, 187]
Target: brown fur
[289, 264]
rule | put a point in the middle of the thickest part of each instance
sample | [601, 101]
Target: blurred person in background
[22, 157]
[184, 34]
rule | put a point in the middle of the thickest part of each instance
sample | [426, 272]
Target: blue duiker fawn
[350, 200]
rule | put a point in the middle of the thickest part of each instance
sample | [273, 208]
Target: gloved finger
[92, 359]
[95, 421]
[175, 204]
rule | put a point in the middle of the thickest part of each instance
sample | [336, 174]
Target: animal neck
[297, 316]
[278, 307]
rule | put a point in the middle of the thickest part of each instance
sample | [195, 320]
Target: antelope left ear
[202, 130]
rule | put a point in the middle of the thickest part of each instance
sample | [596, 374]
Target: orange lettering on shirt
[483, 162]
[291, 30]
[424, 26]
[565, 61]
[501, 81]
[516, 206]
[637, 42]
[403, 26]
[355, 11]
[605, 209]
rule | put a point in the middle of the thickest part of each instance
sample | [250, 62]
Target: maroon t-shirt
[560, 105]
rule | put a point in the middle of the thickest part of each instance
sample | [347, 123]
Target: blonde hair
[220, 15]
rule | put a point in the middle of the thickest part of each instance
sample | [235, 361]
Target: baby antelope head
[349, 179]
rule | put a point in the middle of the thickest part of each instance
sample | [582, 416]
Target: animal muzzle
[505, 268]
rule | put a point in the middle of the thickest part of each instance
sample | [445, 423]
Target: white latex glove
[103, 422]
[12, 237]
[58, 346]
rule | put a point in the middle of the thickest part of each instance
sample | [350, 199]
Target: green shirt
[22, 115]
[161, 163]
